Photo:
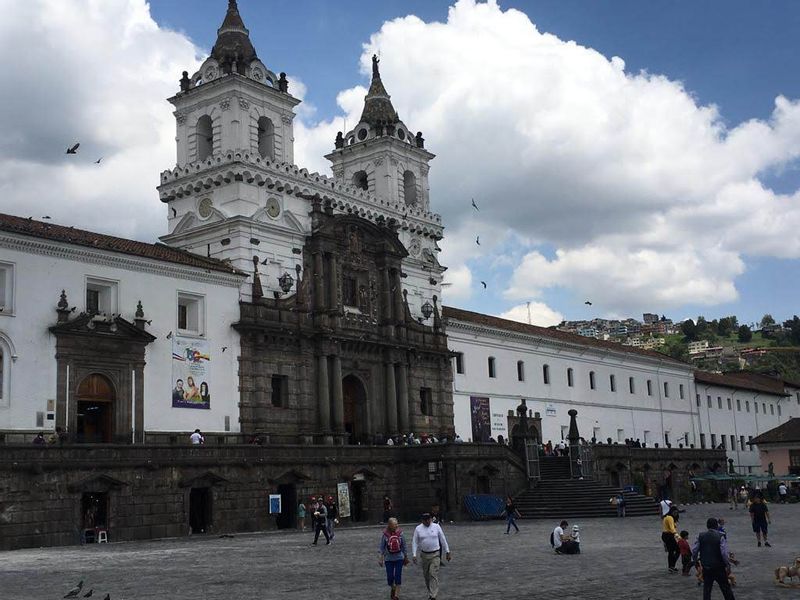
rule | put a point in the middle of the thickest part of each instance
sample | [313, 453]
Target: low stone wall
[149, 488]
[647, 468]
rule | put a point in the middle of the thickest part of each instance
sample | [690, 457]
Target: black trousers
[320, 527]
[671, 546]
[719, 575]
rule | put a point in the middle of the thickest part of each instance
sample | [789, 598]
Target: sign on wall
[481, 418]
[191, 359]
[499, 425]
[343, 491]
[274, 504]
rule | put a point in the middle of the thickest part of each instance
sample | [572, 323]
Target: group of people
[59, 436]
[423, 438]
[324, 517]
[560, 449]
[565, 542]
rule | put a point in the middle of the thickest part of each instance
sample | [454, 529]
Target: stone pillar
[337, 396]
[397, 298]
[387, 296]
[323, 397]
[402, 397]
[391, 401]
[319, 288]
[333, 300]
[138, 426]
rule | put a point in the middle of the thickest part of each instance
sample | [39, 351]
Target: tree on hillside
[689, 330]
[794, 330]
[767, 320]
[745, 334]
[702, 325]
[727, 325]
[676, 349]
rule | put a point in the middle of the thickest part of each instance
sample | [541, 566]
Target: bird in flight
[475, 206]
[478, 240]
[97, 162]
[588, 303]
[169, 335]
[73, 149]
[483, 283]
[224, 348]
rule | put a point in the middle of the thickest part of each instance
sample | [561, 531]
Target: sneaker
[768, 545]
[759, 543]
[673, 570]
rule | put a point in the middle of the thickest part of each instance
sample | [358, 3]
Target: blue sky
[601, 178]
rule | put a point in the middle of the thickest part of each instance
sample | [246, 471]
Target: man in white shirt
[429, 539]
[782, 491]
[196, 437]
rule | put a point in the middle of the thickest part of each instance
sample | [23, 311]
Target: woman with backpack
[393, 556]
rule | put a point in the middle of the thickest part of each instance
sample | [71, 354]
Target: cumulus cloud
[648, 197]
[97, 73]
[534, 313]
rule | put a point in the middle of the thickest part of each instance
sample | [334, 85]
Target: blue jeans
[509, 522]
[394, 572]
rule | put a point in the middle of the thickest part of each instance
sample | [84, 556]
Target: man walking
[711, 548]
[759, 514]
[320, 522]
[332, 518]
[429, 540]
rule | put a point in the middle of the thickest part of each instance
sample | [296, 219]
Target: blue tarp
[484, 506]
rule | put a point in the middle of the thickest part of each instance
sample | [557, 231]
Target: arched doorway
[355, 401]
[95, 407]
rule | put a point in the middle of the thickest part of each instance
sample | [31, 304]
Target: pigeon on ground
[475, 206]
[108, 597]
[73, 149]
[46, 217]
[75, 591]
[224, 348]
[88, 594]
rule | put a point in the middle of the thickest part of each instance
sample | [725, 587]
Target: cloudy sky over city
[643, 156]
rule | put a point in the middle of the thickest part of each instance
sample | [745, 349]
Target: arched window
[591, 380]
[570, 378]
[546, 374]
[612, 382]
[410, 188]
[360, 180]
[632, 386]
[520, 370]
[266, 138]
[492, 372]
[205, 137]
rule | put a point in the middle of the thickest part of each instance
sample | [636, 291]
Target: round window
[401, 134]
[362, 134]
[205, 208]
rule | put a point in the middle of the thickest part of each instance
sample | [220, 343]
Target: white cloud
[648, 197]
[540, 314]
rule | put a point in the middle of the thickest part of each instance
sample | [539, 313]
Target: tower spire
[233, 49]
[378, 107]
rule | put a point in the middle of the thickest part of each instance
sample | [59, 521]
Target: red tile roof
[90, 239]
[785, 433]
[742, 380]
[458, 314]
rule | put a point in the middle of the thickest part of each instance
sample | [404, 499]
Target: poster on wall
[343, 491]
[274, 504]
[499, 425]
[190, 369]
[481, 418]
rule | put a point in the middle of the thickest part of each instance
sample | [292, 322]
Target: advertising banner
[481, 419]
[499, 425]
[343, 492]
[191, 359]
[274, 504]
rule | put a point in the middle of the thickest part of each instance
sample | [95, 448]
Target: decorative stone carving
[180, 117]
[243, 104]
[225, 104]
[287, 119]
[378, 162]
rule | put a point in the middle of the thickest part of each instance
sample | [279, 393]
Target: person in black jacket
[711, 549]
[331, 520]
[320, 522]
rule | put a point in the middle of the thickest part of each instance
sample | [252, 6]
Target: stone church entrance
[355, 402]
[95, 410]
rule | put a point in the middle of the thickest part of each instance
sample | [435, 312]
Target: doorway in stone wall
[358, 501]
[355, 402]
[286, 518]
[94, 514]
[200, 510]
[95, 407]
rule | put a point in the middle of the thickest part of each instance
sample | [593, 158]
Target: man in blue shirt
[711, 549]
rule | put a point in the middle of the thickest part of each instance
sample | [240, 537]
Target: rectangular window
[492, 372]
[779, 410]
[646, 436]
[101, 296]
[741, 442]
[733, 442]
[612, 382]
[649, 387]
[591, 380]
[703, 441]
[191, 314]
[520, 371]
[620, 435]
[666, 390]
[349, 292]
[750, 439]
[570, 379]
[739, 404]
[666, 438]
[631, 385]
[747, 405]
[426, 401]
[698, 400]
[546, 374]
[764, 406]
[708, 401]
[729, 404]
[756, 405]
[460, 363]
[713, 441]
[6, 289]
[722, 441]
[680, 391]
[280, 391]
[564, 431]
[772, 409]
[719, 402]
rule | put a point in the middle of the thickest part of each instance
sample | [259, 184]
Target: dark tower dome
[378, 107]
[233, 49]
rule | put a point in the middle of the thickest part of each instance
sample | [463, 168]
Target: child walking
[686, 553]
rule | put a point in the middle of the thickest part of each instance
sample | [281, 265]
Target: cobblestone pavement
[621, 559]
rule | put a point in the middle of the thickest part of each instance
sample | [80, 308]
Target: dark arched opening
[355, 402]
[95, 407]
[205, 137]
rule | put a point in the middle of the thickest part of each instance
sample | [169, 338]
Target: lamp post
[285, 282]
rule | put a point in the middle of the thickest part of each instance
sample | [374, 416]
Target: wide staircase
[558, 496]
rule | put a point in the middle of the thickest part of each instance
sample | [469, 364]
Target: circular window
[205, 208]
[273, 208]
[362, 134]
[401, 134]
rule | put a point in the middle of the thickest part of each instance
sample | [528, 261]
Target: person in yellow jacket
[670, 536]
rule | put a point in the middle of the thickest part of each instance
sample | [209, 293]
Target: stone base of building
[51, 495]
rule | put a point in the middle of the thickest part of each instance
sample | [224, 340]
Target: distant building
[780, 447]
[588, 332]
[650, 318]
[697, 347]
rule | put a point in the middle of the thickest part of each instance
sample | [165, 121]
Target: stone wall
[149, 488]
[647, 468]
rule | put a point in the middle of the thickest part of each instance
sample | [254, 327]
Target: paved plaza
[620, 559]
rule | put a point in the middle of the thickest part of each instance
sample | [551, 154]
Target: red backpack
[393, 541]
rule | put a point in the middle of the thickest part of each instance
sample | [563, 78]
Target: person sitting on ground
[562, 542]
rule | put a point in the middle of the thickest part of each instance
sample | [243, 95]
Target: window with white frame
[492, 367]
[591, 380]
[101, 296]
[666, 389]
[6, 289]
[191, 314]
[649, 387]
[631, 385]
[680, 391]
[719, 402]
[459, 363]
[756, 405]
[612, 383]
[6, 356]
[520, 371]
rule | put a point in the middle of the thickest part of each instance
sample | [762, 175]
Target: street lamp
[427, 310]
[286, 282]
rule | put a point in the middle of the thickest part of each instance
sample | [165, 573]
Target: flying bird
[97, 162]
[483, 283]
[88, 594]
[224, 348]
[169, 335]
[588, 303]
[475, 206]
[265, 261]
[73, 149]
[478, 240]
